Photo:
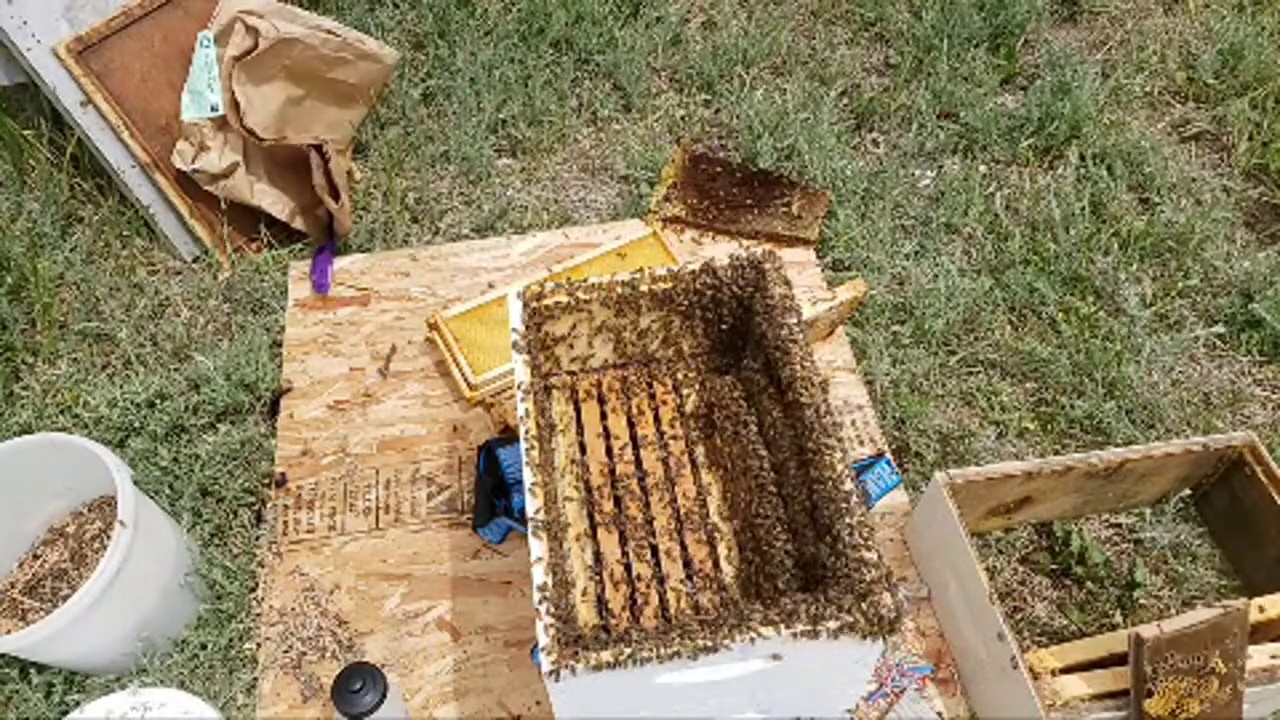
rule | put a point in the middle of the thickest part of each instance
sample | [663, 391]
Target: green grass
[103, 334]
[1067, 210]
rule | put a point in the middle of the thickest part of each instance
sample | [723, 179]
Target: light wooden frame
[478, 386]
[1237, 493]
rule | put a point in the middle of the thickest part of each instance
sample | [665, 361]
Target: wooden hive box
[697, 546]
[1235, 485]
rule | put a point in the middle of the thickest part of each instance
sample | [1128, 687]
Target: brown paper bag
[296, 87]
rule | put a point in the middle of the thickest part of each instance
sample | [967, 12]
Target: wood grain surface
[378, 459]
[1112, 648]
[1242, 511]
[994, 497]
[33, 31]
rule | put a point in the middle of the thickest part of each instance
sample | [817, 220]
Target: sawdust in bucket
[57, 565]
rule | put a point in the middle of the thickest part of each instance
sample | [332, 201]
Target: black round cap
[359, 689]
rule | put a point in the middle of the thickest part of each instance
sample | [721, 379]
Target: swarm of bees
[690, 475]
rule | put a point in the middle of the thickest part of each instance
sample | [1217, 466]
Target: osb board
[132, 67]
[377, 459]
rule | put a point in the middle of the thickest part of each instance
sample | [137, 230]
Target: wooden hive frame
[1236, 488]
[651, 539]
[478, 385]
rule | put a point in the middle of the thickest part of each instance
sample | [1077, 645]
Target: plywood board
[143, 107]
[30, 31]
[378, 464]
[1004, 495]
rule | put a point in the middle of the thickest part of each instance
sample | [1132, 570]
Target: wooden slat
[1113, 647]
[1197, 658]
[994, 497]
[707, 585]
[995, 682]
[1261, 662]
[726, 544]
[617, 586]
[573, 501]
[637, 529]
[1242, 512]
[1261, 702]
[661, 502]
[823, 317]
[1066, 689]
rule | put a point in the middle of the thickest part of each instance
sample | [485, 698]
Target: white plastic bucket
[147, 703]
[142, 594]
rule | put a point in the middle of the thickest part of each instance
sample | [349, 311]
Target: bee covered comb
[703, 190]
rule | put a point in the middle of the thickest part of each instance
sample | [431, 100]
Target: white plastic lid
[146, 703]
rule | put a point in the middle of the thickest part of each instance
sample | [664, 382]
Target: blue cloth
[500, 502]
[498, 530]
[511, 460]
[877, 476]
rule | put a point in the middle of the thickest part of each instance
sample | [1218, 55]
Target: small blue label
[877, 476]
[202, 93]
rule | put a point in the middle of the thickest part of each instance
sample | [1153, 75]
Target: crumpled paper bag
[296, 87]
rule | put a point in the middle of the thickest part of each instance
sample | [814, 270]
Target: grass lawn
[1069, 212]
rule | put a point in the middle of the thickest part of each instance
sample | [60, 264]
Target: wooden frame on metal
[222, 227]
[30, 31]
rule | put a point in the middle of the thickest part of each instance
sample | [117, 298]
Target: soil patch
[51, 571]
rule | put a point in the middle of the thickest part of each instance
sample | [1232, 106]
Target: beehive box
[1236, 489]
[696, 542]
